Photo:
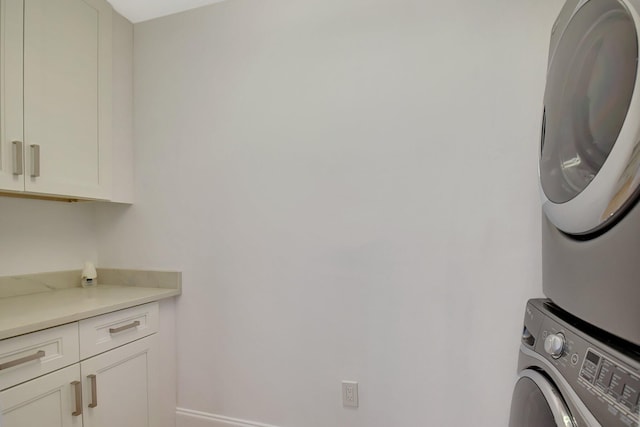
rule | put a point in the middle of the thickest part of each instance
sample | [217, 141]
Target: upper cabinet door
[67, 97]
[11, 138]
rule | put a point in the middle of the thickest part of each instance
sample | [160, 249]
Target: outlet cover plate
[350, 394]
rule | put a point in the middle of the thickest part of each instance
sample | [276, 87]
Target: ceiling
[143, 10]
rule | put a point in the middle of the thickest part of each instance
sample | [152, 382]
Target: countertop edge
[61, 320]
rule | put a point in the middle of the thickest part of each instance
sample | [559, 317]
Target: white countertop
[28, 313]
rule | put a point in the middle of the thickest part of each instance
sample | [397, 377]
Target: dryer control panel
[606, 380]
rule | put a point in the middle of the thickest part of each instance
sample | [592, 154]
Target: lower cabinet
[46, 401]
[114, 387]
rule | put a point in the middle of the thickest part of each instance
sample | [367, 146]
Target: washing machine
[589, 165]
[572, 374]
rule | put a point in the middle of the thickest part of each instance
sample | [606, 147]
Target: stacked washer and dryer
[579, 358]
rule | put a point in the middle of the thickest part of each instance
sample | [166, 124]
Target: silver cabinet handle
[12, 363]
[17, 158]
[78, 392]
[124, 328]
[94, 391]
[35, 160]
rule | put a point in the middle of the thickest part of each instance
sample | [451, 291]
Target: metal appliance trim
[570, 216]
[552, 396]
[575, 399]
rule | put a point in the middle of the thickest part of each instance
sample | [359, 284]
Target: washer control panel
[612, 382]
[606, 380]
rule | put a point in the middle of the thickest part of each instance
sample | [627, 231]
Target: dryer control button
[554, 345]
[574, 359]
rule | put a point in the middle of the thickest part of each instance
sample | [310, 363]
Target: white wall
[39, 236]
[349, 187]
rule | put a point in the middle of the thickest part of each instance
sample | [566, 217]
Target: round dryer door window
[590, 156]
[537, 403]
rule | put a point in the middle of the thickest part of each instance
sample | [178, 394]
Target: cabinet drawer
[28, 356]
[101, 333]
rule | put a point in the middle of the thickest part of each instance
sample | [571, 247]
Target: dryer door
[537, 403]
[590, 157]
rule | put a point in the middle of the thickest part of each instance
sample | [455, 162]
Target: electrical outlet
[350, 393]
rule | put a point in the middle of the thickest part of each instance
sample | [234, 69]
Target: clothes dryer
[572, 374]
[589, 165]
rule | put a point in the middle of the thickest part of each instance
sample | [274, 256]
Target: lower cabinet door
[116, 386]
[46, 401]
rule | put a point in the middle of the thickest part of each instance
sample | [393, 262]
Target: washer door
[537, 403]
[590, 156]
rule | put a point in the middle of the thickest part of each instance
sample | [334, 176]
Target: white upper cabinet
[66, 55]
[11, 136]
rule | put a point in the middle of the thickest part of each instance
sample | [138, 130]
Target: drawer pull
[26, 359]
[78, 392]
[125, 327]
[94, 391]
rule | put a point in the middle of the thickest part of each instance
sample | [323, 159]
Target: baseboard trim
[190, 418]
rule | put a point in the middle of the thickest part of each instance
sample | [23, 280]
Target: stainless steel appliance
[572, 374]
[590, 165]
